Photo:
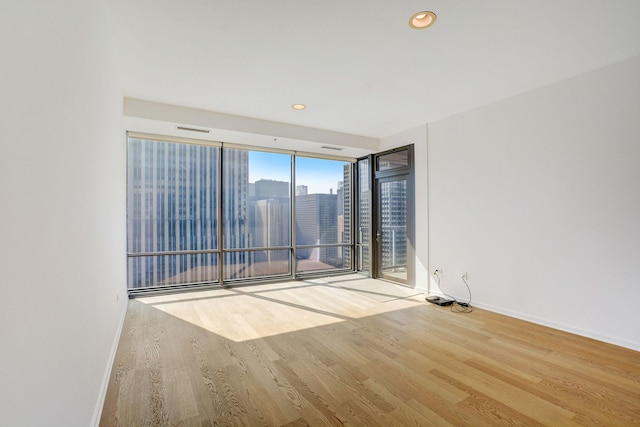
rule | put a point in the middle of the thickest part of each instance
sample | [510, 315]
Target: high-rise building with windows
[171, 207]
[317, 224]
[363, 221]
[344, 214]
[269, 218]
[393, 213]
[270, 188]
[235, 212]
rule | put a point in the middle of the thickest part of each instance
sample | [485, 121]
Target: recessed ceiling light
[422, 20]
[298, 106]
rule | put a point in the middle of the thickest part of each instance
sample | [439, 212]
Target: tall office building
[393, 220]
[344, 214]
[270, 219]
[171, 206]
[345, 210]
[393, 213]
[271, 227]
[172, 195]
[363, 223]
[269, 188]
[235, 208]
[340, 193]
[317, 224]
[302, 190]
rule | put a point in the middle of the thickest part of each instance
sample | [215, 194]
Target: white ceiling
[356, 64]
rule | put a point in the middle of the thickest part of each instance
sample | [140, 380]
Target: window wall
[210, 214]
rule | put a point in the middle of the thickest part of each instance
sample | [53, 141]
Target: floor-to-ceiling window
[172, 205]
[323, 225]
[256, 212]
[200, 213]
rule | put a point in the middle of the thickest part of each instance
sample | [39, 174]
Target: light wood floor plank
[317, 353]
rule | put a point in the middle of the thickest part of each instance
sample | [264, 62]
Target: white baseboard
[422, 289]
[97, 412]
[561, 327]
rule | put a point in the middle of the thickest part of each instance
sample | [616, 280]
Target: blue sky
[318, 174]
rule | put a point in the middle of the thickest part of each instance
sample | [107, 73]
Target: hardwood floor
[314, 353]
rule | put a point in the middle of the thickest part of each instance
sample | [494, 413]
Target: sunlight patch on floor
[249, 312]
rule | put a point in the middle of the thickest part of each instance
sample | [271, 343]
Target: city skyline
[313, 172]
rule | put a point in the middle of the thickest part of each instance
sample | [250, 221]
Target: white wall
[62, 215]
[418, 137]
[538, 198]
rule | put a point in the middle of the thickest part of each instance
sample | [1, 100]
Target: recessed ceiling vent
[192, 129]
[326, 147]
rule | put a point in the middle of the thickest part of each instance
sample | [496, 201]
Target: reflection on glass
[393, 219]
[397, 159]
[323, 214]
